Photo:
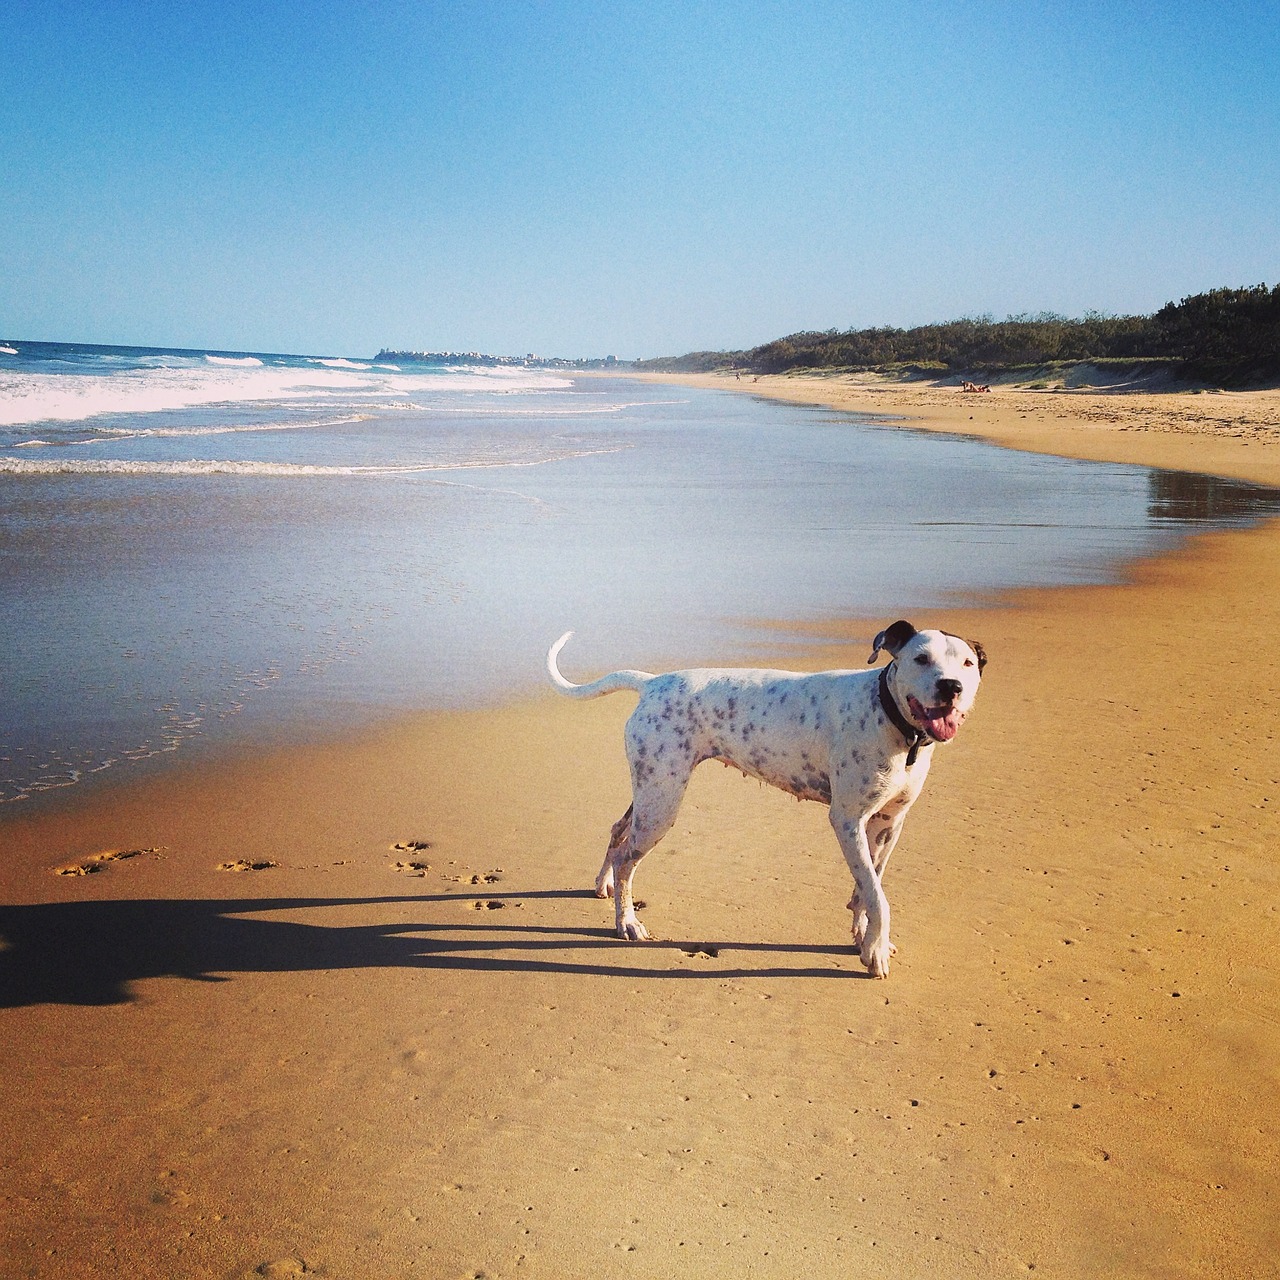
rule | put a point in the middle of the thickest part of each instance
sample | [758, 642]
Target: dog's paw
[876, 955]
[631, 930]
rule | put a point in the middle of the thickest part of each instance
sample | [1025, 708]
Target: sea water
[200, 545]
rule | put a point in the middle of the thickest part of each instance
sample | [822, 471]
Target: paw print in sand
[411, 866]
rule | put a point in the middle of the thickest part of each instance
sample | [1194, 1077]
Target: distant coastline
[479, 358]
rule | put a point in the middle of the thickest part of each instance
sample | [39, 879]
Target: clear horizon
[623, 180]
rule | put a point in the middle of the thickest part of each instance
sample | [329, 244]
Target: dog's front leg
[882, 837]
[874, 946]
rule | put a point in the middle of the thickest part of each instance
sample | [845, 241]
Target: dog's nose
[948, 688]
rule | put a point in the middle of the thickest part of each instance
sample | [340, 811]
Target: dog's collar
[915, 736]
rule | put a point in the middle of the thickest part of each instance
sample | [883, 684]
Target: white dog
[858, 741]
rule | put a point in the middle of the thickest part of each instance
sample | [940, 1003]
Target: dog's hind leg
[859, 920]
[620, 834]
[651, 816]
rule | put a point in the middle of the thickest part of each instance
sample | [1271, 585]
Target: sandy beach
[351, 1009]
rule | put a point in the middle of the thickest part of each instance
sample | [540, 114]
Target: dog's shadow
[91, 953]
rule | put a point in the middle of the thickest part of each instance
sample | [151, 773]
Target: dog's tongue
[940, 723]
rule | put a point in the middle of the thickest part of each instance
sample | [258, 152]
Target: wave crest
[36, 396]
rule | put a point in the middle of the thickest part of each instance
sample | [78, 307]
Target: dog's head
[935, 676]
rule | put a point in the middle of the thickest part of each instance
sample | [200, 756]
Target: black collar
[915, 736]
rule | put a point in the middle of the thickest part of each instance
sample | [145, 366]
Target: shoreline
[1233, 434]
[355, 1067]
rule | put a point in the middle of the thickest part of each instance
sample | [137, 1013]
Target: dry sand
[349, 1064]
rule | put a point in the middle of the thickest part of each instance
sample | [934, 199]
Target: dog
[860, 742]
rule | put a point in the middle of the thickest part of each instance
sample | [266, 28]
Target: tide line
[231, 467]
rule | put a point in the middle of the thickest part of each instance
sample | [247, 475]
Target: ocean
[198, 547]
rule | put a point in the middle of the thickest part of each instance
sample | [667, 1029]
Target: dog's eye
[922, 659]
[968, 662]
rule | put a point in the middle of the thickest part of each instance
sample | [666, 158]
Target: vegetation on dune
[968, 343]
[1227, 336]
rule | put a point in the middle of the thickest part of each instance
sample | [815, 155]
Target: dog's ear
[891, 639]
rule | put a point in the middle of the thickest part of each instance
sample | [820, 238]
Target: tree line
[1225, 336]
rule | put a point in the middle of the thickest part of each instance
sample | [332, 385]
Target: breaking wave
[102, 387]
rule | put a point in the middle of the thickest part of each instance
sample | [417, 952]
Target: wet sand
[435, 1061]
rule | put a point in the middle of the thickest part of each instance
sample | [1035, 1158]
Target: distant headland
[1226, 337]
[479, 358]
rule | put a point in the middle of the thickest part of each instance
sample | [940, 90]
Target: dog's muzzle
[941, 723]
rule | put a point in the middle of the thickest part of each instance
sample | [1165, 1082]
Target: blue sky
[621, 178]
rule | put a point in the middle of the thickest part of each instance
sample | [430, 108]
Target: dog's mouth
[941, 723]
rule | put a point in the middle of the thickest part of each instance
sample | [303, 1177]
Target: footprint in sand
[244, 864]
[282, 1268]
[702, 953]
[412, 868]
[478, 877]
[490, 904]
[99, 861]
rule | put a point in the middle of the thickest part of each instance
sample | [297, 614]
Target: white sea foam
[233, 467]
[29, 397]
[340, 364]
[239, 361]
[192, 467]
[42, 397]
[111, 435]
[8, 351]
[114, 435]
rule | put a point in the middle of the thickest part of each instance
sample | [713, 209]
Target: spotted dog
[858, 741]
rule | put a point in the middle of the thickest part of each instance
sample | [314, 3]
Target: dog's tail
[597, 688]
